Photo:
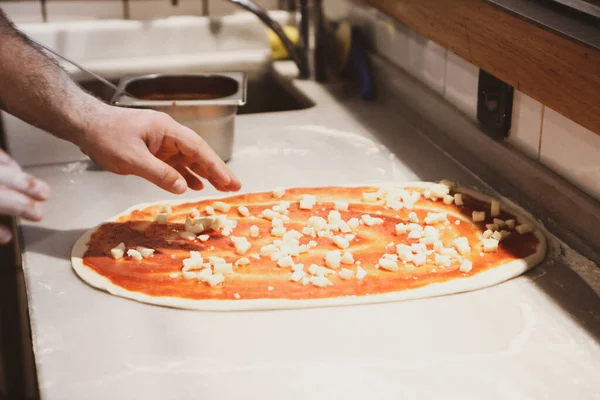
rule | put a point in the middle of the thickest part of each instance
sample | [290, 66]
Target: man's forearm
[37, 90]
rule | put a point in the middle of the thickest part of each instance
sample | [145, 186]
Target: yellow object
[277, 47]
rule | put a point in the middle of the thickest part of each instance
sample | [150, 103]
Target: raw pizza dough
[466, 283]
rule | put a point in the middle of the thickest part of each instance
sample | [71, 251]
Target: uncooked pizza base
[481, 280]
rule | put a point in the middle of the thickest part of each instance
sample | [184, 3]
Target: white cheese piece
[346, 273]
[370, 221]
[341, 242]
[241, 244]
[333, 259]
[404, 252]
[190, 274]
[492, 227]
[320, 281]
[134, 254]
[418, 247]
[347, 258]
[394, 205]
[276, 223]
[388, 256]
[462, 245]
[419, 259]
[221, 206]
[388, 265]
[161, 219]
[297, 267]
[305, 281]
[204, 274]
[412, 217]
[166, 209]
[504, 234]
[431, 232]
[438, 245]
[312, 244]
[487, 234]
[499, 222]
[243, 210]
[343, 226]
[524, 228]
[174, 275]
[511, 223]
[224, 268]
[118, 251]
[332, 227]
[317, 223]
[458, 199]
[277, 255]
[226, 232]
[145, 252]
[353, 223]
[314, 269]
[360, 273]
[340, 205]
[478, 216]
[369, 197]
[435, 218]
[495, 208]
[280, 208]
[237, 296]
[195, 213]
[448, 251]
[401, 229]
[439, 190]
[187, 235]
[307, 201]
[215, 280]
[255, 256]
[254, 231]
[497, 235]
[269, 214]
[448, 199]
[324, 233]
[414, 234]
[278, 193]
[457, 222]
[203, 238]
[242, 262]
[196, 255]
[410, 199]
[333, 216]
[297, 276]
[216, 260]
[279, 232]
[209, 210]
[285, 262]
[466, 266]
[270, 288]
[448, 183]
[490, 245]
[442, 261]
[308, 231]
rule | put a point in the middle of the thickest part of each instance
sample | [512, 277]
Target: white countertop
[533, 337]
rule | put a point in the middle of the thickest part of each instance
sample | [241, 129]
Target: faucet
[309, 60]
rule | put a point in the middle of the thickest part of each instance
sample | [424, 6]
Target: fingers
[192, 180]
[197, 151]
[19, 205]
[16, 179]
[5, 234]
[158, 172]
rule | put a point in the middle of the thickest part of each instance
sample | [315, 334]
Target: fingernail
[180, 186]
[5, 235]
[42, 189]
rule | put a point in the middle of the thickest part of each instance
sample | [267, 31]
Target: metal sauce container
[205, 103]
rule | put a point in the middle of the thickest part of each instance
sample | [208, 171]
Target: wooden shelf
[561, 73]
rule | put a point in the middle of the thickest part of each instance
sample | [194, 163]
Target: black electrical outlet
[494, 105]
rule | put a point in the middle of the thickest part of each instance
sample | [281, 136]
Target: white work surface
[534, 337]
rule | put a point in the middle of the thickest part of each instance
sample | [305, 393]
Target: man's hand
[152, 145]
[21, 194]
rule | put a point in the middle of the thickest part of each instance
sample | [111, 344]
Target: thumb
[158, 172]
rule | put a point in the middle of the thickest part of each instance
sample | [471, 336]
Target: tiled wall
[74, 10]
[538, 131]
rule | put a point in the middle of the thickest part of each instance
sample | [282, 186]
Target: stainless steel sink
[267, 92]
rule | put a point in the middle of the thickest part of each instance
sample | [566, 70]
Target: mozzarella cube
[134, 254]
[254, 231]
[209, 210]
[431, 232]
[166, 209]
[343, 226]
[388, 265]
[221, 206]
[277, 255]
[278, 193]
[203, 238]
[500, 223]
[418, 247]
[404, 252]
[495, 208]
[317, 223]
[490, 245]
[243, 210]
[360, 273]
[511, 223]
[466, 266]
[458, 199]
[276, 223]
[269, 214]
[333, 259]
[237, 296]
[412, 217]
[187, 235]
[308, 231]
[223, 268]
[353, 223]
[478, 216]
[161, 219]
[419, 259]
[448, 183]
[492, 227]
[307, 201]
[442, 261]
[369, 197]
[401, 229]
[341, 242]
[347, 258]
[216, 260]
[215, 280]
[278, 232]
[497, 235]
[439, 190]
[285, 262]
[174, 275]
[448, 199]
[297, 276]
[297, 267]
[462, 245]
[117, 253]
[414, 234]
[242, 245]
[242, 262]
[487, 234]
[435, 218]
[320, 281]
[448, 251]
[195, 213]
[346, 273]
[524, 228]
[145, 252]
[340, 205]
